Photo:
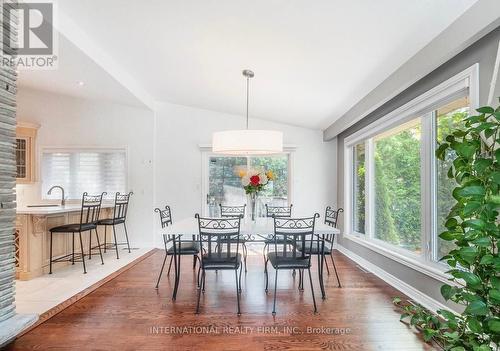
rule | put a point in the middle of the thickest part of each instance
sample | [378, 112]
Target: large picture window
[359, 198]
[448, 118]
[396, 160]
[224, 184]
[398, 193]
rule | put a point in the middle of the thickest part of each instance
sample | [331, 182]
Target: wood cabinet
[25, 152]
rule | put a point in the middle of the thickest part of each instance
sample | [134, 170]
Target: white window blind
[79, 171]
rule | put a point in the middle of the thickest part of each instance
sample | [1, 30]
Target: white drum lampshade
[247, 142]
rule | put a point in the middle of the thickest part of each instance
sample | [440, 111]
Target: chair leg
[194, 261]
[203, 282]
[90, 245]
[335, 269]
[240, 279]
[50, 262]
[198, 282]
[105, 237]
[72, 248]
[161, 271]
[312, 290]
[83, 253]
[275, 288]
[177, 268]
[170, 265]
[327, 268]
[199, 294]
[116, 243]
[264, 253]
[237, 291]
[300, 278]
[98, 244]
[267, 275]
[301, 282]
[126, 236]
[245, 253]
[320, 276]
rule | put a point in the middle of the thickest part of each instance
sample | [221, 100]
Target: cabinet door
[25, 154]
[21, 158]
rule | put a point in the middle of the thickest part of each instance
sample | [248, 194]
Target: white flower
[245, 180]
[263, 178]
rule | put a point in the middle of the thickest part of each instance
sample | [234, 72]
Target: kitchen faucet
[63, 200]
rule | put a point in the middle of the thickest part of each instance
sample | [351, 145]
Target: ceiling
[73, 67]
[313, 60]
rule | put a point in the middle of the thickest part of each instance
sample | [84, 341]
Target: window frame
[422, 107]
[206, 153]
[83, 149]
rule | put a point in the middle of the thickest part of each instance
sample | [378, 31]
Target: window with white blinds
[79, 171]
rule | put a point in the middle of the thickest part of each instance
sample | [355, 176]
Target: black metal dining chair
[175, 247]
[232, 211]
[290, 252]
[120, 211]
[331, 219]
[219, 240]
[324, 247]
[278, 212]
[89, 215]
[236, 211]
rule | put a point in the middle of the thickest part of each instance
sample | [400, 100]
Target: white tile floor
[41, 294]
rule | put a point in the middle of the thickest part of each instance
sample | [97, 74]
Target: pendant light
[247, 141]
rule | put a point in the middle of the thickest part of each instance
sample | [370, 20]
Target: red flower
[254, 180]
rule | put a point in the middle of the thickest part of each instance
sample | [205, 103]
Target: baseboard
[397, 283]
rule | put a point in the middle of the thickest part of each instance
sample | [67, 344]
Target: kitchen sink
[43, 205]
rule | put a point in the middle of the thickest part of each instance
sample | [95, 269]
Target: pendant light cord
[248, 84]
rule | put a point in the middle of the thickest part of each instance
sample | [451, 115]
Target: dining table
[259, 230]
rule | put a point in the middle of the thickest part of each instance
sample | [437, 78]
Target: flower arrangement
[254, 180]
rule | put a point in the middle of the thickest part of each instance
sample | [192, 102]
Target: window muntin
[79, 171]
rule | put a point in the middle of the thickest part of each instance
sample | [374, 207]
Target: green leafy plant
[473, 226]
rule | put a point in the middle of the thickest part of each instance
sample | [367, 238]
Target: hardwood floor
[127, 313]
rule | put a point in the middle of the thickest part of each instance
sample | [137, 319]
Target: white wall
[178, 180]
[68, 121]
[165, 161]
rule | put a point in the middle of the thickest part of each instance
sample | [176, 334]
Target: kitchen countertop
[40, 211]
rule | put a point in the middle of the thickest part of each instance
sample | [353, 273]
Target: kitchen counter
[40, 211]
[32, 237]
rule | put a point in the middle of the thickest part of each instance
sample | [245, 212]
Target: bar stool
[89, 215]
[119, 217]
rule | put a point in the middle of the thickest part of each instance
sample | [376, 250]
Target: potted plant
[473, 226]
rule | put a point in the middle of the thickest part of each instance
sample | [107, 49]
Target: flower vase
[253, 204]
